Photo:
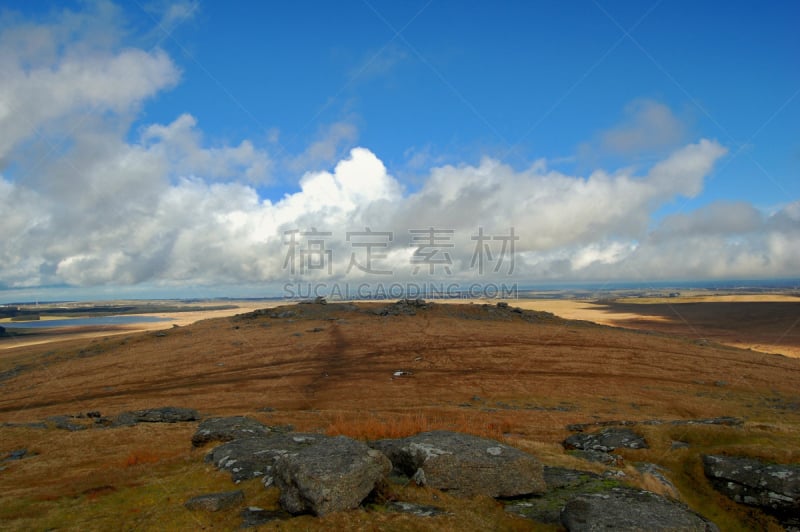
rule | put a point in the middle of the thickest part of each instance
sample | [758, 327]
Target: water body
[77, 322]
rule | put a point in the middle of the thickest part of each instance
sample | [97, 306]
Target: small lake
[77, 322]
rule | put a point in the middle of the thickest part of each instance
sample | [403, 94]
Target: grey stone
[248, 458]
[166, 414]
[333, 475]
[254, 516]
[464, 465]
[17, 454]
[213, 502]
[419, 510]
[563, 485]
[404, 307]
[628, 509]
[65, 423]
[774, 488]
[606, 440]
[227, 428]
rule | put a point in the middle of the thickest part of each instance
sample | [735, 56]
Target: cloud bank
[86, 201]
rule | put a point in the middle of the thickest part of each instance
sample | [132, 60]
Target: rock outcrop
[464, 465]
[606, 440]
[774, 488]
[332, 475]
[166, 414]
[627, 509]
[228, 428]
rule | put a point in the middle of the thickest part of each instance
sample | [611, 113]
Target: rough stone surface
[248, 458]
[627, 509]
[774, 488]
[167, 414]
[563, 485]
[335, 474]
[606, 440]
[419, 510]
[465, 465]
[227, 429]
[213, 502]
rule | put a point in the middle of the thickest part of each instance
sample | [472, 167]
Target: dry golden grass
[331, 370]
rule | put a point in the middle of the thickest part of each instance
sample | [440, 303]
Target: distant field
[762, 322]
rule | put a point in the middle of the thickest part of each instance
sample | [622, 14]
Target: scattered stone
[335, 474]
[228, 428]
[679, 445]
[723, 420]
[728, 421]
[774, 488]
[404, 307]
[167, 414]
[17, 454]
[600, 457]
[628, 509]
[248, 458]
[419, 510]
[464, 465]
[255, 516]
[65, 423]
[581, 427]
[606, 440]
[402, 373]
[213, 502]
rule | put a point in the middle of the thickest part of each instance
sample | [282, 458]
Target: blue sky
[623, 140]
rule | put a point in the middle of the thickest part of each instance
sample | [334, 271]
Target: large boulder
[227, 429]
[335, 474]
[628, 509]
[774, 488]
[606, 440]
[465, 465]
[248, 458]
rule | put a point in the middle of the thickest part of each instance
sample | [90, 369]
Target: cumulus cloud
[87, 202]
